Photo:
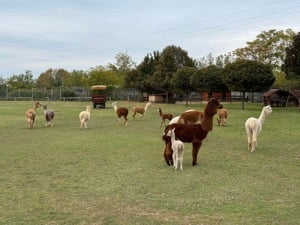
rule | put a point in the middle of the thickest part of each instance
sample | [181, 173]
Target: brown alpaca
[121, 112]
[222, 117]
[164, 117]
[192, 133]
[191, 117]
[141, 111]
[31, 114]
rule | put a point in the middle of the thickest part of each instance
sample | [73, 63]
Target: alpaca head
[171, 132]
[37, 105]
[88, 108]
[44, 107]
[212, 107]
[267, 110]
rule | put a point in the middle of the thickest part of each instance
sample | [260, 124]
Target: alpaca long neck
[115, 108]
[160, 112]
[173, 137]
[207, 123]
[146, 107]
[262, 117]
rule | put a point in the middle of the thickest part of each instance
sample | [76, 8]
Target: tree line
[271, 60]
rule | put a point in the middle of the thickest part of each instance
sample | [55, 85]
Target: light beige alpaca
[254, 126]
[84, 117]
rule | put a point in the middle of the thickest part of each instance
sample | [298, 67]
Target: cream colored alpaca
[141, 111]
[254, 126]
[178, 150]
[84, 117]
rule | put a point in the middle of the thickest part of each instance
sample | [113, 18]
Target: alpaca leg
[249, 138]
[254, 142]
[219, 121]
[125, 122]
[196, 147]
[223, 122]
[168, 154]
[181, 162]
[175, 159]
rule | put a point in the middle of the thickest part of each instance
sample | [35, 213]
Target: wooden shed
[277, 97]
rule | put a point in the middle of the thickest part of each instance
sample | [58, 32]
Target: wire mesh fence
[65, 94]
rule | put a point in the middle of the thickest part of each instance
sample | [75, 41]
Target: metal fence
[65, 94]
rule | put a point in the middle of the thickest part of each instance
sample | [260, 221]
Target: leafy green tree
[46, 79]
[22, 80]
[140, 77]
[105, 77]
[268, 47]
[171, 59]
[220, 61]
[62, 78]
[248, 76]
[78, 78]
[124, 62]
[209, 79]
[181, 80]
[280, 80]
[292, 60]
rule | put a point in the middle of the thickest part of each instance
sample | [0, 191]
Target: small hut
[281, 98]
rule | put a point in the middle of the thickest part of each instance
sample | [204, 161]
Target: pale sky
[79, 34]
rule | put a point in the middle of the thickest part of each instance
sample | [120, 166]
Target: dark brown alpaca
[121, 112]
[164, 117]
[192, 133]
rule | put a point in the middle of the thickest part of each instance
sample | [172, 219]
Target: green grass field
[112, 174]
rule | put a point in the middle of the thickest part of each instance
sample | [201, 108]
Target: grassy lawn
[112, 174]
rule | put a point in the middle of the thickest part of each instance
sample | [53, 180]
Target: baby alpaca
[254, 126]
[164, 117]
[84, 117]
[178, 149]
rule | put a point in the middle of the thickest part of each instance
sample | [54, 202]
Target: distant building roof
[296, 94]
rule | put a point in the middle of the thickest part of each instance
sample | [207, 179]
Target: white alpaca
[174, 120]
[178, 149]
[84, 117]
[254, 126]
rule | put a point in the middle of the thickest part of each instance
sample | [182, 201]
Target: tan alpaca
[31, 114]
[141, 111]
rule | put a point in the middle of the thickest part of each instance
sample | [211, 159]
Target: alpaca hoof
[195, 163]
